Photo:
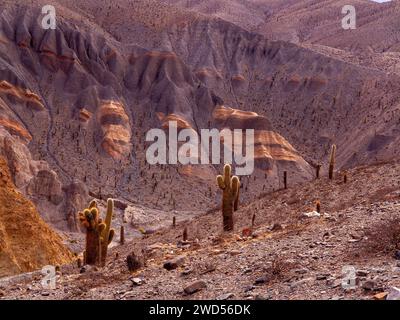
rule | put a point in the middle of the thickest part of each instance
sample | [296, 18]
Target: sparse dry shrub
[382, 237]
[134, 262]
[279, 270]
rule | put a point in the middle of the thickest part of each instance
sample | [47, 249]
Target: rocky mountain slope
[77, 96]
[26, 242]
[286, 255]
[317, 25]
[76, 102]
[299, 89]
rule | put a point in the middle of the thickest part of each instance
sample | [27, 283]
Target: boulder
[195, 287]
[394, 294]
[46, 184]
[76, 198]
[174, 263]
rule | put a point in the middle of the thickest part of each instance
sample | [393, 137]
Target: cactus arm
[110, 210]
[99, 251]
[220, 182]
[101, 227]
[235, 191]
[235, 186]
[236, 202]
[227, 176]
[89, 221]
[111, 236]
[95, 214]
[93, 204]
[83, 220]
[108, 233]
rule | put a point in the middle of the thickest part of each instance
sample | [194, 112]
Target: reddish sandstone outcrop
[32, 99]
[116, 129]
[26, 241]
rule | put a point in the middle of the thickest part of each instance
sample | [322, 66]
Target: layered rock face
[273, 154]
[270, 148]
[77, 103]
[116, 129]
[36, 180]
[329, 85]
[26, 241]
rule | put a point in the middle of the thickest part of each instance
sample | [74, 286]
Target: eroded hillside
[26, 242]
[78, 102]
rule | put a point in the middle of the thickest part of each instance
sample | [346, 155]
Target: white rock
[311, 214]
[137, 281]
[394, 294]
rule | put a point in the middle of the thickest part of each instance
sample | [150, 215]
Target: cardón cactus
[332, 161]
[285, 179]
[89, 219]
[98, 233]
[318, 206]
[107, 234]
[317, 169]
[230, 199]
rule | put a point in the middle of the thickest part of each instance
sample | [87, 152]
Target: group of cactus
[230, 186]
[332, 160]
[98, 233]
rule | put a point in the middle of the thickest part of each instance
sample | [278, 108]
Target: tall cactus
[90, 220]
[332, 161]
[98, 233]
[317, 169]
[107, 234]
[230, 187]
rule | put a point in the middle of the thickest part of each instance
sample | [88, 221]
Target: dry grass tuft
[280, 269]
[382, 237]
